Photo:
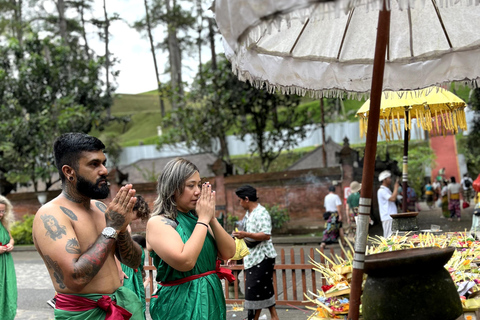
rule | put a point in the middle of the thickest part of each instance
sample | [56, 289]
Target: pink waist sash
[71, 302]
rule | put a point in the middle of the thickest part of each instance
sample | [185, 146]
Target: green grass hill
[143, 110]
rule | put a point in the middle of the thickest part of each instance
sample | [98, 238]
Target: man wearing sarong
[454, 189]
[77, 237]
[259, 264]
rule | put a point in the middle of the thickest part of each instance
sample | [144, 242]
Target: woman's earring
[70, 178]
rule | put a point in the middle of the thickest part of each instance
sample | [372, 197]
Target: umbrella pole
[405, 164]
[368, 174]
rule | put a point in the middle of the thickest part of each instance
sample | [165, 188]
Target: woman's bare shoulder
[161, 220]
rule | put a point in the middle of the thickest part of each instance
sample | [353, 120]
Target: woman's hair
[141, 208]
[8, 217]
[171, 182]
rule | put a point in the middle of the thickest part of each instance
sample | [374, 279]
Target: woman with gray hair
[186, 241]
[8, 279]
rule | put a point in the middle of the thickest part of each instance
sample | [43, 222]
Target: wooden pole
[405, 164]
[383, 31]
[324, 151]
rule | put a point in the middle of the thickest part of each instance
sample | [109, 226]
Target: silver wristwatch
[109, 232]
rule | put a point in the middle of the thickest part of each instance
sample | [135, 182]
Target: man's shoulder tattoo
[54, 229]
[69, 213]
[101, 206]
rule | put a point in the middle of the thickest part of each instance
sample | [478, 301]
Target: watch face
[109, 232]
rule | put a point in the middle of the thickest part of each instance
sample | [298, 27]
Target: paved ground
[35, 288]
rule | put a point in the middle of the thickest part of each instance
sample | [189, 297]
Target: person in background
[386, 201]
[411, 200]
[186, 242]
[475, 229]
[454, 189]
[444, 200]
[134, 278]
[8, 278]
[467, 190]
[260, 263]
[437, 189]
[334, 217]
[429, 195]
[353, 200]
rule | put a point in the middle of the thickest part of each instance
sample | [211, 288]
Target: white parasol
[354, 47]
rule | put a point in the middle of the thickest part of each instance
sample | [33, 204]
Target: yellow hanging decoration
[436, 121]
[361, 127]
[410, 119]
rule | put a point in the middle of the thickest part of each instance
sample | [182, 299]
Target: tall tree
[273, 120]
[40, 98]
[147, 25]
[473, 156]
[177, 20]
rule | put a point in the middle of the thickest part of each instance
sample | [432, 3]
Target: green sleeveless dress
[199, 299]
[8, 280]
[135, 281]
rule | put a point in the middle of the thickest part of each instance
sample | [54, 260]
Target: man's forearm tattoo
[69, 213]
[117, 219]
[129, 250]
[54, 229]
[101, 206]
[89, 263]
[57, 271]
[73, 246]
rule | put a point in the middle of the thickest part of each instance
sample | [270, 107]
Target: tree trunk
[152, 49]
[199, 41]
[211, 37]
[18, 23]
[62, 23]
[107, 55]
[84, 34]
[324, 150]
[175, 57]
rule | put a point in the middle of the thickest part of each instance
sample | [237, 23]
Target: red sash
[70, 302]
[223, 273]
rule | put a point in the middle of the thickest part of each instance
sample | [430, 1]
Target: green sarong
[123, 297]
[201, 298]
[8, 280]
[135, 282]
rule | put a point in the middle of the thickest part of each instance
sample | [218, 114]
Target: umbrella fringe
[436, 122]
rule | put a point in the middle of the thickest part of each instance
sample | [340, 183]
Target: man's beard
[93, 190]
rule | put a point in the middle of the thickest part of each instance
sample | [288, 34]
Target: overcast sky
[133, 49]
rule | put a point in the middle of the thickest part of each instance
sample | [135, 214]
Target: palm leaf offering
[332, 301]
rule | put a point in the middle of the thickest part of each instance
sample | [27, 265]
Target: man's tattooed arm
[129, 251]
[90, 262]
[112, 217]
[57, 271]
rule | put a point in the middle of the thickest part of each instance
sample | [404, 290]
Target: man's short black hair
[247, 191]
[68, 147]
[331, 188]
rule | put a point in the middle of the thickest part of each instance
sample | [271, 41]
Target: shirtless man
[77, 237]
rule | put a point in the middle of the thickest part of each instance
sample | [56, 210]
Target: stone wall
[301, 192]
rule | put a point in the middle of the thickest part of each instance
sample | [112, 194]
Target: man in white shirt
[467, 189]
[386, 201]
[334, 216]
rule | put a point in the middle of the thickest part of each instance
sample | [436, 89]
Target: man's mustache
[102, 179]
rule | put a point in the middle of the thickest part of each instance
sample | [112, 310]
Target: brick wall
[301, 192]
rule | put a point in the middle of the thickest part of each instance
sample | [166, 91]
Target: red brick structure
[300, 191]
